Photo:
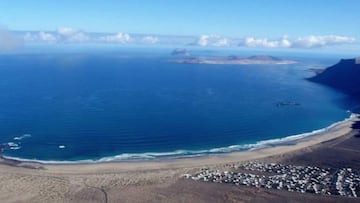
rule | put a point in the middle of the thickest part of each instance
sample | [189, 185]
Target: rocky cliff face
[343, 76]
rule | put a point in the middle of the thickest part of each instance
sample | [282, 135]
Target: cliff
[343, 76]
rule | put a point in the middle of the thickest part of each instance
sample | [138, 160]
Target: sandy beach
[156, 181]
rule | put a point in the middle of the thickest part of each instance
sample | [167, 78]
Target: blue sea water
[118, 106]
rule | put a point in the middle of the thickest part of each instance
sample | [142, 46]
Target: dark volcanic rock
[356, 125]
[344, 76]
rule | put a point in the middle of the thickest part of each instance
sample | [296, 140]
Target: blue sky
[258, 19]
[226, 17]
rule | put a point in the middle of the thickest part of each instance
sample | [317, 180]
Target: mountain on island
[236, 60]
[343, 76]
[180, 52]
[264, 58]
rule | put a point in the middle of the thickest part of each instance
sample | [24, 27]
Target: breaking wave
[22, 137]
[289, 140]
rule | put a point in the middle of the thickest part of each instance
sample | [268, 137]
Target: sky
[259, 23]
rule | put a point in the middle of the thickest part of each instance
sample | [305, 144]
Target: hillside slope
[343, 76]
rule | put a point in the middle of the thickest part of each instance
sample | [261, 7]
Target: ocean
[136, 105]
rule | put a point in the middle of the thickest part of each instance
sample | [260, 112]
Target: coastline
[189, 154]
[161, 180]
[234, 60]
[195, 162]
[267, 148]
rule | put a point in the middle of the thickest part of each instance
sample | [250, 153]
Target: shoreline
[299, 142]
[190, 154]
[163, 180]
[237, 62]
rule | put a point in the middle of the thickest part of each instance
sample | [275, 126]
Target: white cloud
[301, 42]
[222, 42]
[285, 42]
[78, 37]
[118, 38]
[150, 40]
[320, 41]
[28, 37]
[8, 41]
[264, 42]
[212, 40]
[61, 35]
[72, 35]
[47, 37]
[67, 31]
[40, 37]
[203, 40]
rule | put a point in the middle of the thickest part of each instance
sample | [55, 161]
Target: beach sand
[159, 181]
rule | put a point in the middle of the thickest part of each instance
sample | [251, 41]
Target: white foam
[194, 153]
[22, 137]
[61, 146]
[296, 138]
[49, 161]
[12, 144]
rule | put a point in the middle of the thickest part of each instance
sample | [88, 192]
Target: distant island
[235, 60]
[343, 76]
[180, 52]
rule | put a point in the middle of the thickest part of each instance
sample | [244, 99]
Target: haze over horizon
[315, 26]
